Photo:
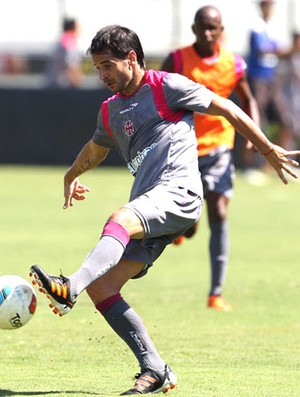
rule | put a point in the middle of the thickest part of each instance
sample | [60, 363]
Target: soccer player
[150, 120]
[207, 62]
[63, 69]
[288, 80]
[263, 56]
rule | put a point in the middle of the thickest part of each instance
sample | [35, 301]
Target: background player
[208, 62]
[263, 56]
[63, 69]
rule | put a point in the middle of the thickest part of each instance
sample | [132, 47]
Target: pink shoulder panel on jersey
[240, 66]
[177, 59]
[155, 80]
[105, 118]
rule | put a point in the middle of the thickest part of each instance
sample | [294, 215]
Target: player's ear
[193, 28]
[132, 57]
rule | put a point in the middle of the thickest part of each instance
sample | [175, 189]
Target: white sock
[102, 258]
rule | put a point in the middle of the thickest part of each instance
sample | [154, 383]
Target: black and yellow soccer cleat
[56, 288]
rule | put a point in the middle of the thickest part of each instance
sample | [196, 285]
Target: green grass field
[253, 351]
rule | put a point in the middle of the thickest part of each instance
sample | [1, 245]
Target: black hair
[295, 34]
[203, 11]
[69, 24]
[118, 41]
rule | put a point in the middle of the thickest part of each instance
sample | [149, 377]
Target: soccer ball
[17, 302]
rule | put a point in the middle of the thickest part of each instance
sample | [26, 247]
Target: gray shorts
[166, 212]
[217, 172]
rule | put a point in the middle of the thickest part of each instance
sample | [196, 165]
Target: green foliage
[251, 351]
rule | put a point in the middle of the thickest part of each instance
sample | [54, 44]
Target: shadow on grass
[7, 393]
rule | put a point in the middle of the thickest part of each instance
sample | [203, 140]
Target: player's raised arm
[89, 157]
[277, 157]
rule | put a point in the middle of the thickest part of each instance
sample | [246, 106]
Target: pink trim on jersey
[108, 302]
[240, 66]
[177, 59]
[116, 230]
[105, 118]
[69, 40]
[155, 80]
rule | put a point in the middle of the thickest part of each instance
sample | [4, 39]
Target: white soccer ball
[17, 302]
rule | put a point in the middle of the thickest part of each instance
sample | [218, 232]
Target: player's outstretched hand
[280, 160]
[74, 190]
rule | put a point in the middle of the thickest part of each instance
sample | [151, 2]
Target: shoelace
[59, 287]
[143, 381]
[61, 276]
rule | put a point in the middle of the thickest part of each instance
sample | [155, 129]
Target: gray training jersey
[153, 130]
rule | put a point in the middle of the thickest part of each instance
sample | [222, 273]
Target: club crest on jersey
[129, 129]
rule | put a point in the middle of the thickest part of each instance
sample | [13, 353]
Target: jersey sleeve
[101, 135]
[182, 93]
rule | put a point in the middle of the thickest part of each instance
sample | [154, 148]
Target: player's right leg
[63, 291]
[57, 289]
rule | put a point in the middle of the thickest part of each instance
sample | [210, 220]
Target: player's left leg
[155, 374]
[217, 206]
[217, 173]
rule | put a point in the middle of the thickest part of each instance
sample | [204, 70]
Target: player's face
[208, 30]
[117, 74]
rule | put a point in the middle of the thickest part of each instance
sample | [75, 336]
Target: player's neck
[206, 52]
[135, 83]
